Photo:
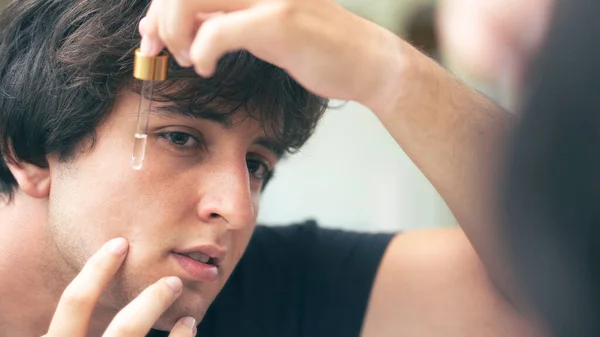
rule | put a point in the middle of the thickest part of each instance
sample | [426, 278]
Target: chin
[184, 306]
[164, 324]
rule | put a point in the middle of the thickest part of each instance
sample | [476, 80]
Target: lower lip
[200, 271]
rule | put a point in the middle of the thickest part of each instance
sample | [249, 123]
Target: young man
[68, 111]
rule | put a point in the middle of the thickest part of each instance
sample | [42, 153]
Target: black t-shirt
[298, 280]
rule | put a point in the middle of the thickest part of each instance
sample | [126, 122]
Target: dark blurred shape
[552, 199]
[420, 30]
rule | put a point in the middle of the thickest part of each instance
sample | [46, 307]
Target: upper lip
[217, 254]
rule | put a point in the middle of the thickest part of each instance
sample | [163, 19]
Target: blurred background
[351, 174]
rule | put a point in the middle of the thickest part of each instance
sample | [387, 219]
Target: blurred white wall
[390, 14]
[353, 175]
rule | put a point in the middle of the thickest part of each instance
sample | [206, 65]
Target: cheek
[239, 242]
[84, 212]
[101, 199]
[77, 212]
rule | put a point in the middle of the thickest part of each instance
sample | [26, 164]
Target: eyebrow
[269, 143]
[272, 145]
[207, 113]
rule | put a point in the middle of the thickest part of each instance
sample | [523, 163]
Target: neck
[33, 278]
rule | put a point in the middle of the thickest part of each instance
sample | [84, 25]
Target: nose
[226, 195]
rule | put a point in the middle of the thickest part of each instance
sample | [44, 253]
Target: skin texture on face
[200, 185]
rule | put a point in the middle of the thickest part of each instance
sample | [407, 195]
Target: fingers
[178, 37]
[185, 327]
[267, 31]
[159, 7]
[138, 317]
[219, 35]
[150, 45]
[79, 298]
[173, 23]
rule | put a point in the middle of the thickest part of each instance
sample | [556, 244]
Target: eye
[258, 169]
[180, 139]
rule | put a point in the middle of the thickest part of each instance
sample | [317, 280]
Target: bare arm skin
[454, 281]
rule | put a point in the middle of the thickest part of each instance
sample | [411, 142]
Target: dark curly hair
[63, 62]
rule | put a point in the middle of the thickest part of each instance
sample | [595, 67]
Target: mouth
[201, 263]
[200, 257]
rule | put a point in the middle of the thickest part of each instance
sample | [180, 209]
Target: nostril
[214, 215]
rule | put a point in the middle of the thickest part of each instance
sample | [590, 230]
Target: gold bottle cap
[150, 68]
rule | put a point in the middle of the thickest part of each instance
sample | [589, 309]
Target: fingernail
[202, 72]
[186, 56]
[146, 46]
[183, 59]
[174, 283]
[190, 322]
[118, 246]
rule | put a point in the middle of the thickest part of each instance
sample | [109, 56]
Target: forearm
[457, 138]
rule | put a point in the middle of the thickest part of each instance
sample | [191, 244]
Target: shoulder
[432, 282]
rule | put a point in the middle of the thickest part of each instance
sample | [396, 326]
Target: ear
[32, 179]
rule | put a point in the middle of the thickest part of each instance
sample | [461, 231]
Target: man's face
[198, 190]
